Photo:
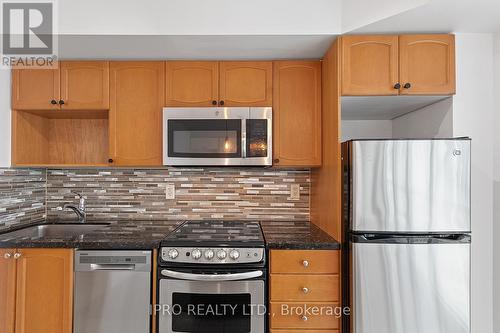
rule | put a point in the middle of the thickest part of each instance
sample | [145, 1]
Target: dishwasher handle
[112, 267]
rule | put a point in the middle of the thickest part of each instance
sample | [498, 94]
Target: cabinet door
[192, 83]
[246, 83]
[35, 89]
[369, 65]
[297, 113]
[135, 115]
[44, 301]
[427, 64]
[85, 85]
[7, 290]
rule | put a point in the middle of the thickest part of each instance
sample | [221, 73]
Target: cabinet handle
[110, 160]
[221, 103]
[305, 263]
[276, 160]
[304, 318]
[53, 102]
[214, 102]
[17, 255]
[61, 102]
[7, 255]
[305, 290]
[407, 85]
[397, 86]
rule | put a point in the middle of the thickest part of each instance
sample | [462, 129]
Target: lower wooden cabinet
[307, 279]
[36, 290]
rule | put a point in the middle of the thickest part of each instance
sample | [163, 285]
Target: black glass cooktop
[217, 233]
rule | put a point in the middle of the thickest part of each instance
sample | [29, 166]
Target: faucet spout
[80, 211]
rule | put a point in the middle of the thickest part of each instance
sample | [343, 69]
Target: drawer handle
[7, 255]
[305, 290]
[17, 255]
[305, 263]
[304, 318]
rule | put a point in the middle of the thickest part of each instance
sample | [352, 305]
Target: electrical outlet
[295, 192]
[170, 192]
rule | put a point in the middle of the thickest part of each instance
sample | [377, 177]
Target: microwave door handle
[243, 138]
[211, 277]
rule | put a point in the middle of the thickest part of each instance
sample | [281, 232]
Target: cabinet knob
[407, 85]
[305, 290]
[17, 255]
[397, 86]
[61, 102]
[7, 255]
[305, 263]
[110, 160]
[214, 102]
[221, 103]
[276, 160]
[304, 318]
[53, 102]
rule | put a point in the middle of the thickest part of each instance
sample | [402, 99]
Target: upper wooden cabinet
[135, 117]
[297, 113]
[427, 64]
[192, 83]
[370, 65]
[225, 83]
[393, 65]
[75, 85]
[246, 83]
[36, 290]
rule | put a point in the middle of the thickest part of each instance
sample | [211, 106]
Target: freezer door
[410, 288]
[410, 186]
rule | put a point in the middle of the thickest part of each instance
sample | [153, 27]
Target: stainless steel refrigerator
[407, 235]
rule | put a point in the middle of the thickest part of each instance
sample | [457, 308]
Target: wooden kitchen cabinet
[246, 83]
[137, 96]
[304, 277]
[369, 65]
[398, 65]
[36, 291]
[297, 113]
[75, 85]
[192, 83]
[427, 64]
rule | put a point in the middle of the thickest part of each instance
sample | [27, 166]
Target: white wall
[366, 129]
[496, 173]
[4, 118]
[433, 121]
[473, 115]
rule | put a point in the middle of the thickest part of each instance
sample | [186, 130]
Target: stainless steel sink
[53, 230]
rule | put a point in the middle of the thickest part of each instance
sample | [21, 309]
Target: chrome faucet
[80, 211]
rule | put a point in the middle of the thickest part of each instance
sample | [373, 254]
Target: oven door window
[207, 138]
[211, 313]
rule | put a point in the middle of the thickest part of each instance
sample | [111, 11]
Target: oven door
[211, 303]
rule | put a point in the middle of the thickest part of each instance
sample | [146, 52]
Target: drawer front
[305, 261]
[304, 331]
[288, 315]
[319, 288]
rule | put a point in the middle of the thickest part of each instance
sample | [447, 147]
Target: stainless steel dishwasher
[112, 292]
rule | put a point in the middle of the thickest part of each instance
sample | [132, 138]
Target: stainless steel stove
[212, 278]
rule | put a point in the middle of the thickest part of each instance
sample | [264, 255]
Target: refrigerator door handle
[411, 239]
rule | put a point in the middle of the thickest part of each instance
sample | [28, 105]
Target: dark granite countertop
[117, 235]
[299, 235]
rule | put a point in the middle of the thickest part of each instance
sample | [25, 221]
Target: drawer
[319, 288]
[305, 261]
[294, 318]
[304, 331]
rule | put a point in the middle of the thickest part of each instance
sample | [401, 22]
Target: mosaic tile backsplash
[211, 193]
[22, 197]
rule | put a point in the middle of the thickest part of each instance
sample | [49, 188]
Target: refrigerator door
[410, 186]
[410, 288]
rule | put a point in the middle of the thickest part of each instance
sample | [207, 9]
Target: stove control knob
[221, 254]
[234, 254]
[209, 254]
[173, 253]
[196, 254]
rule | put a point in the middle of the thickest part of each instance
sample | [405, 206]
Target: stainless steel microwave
[217, 136]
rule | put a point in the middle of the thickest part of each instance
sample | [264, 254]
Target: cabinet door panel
[33, 89]
[297, 113]
[7, 290]
[427, 62]
[246, 83]
[137, 98]
[85, 85]
[369, 65]
[44, 301]
[192, 83]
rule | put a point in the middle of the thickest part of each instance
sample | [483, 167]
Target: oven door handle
[211, 277]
